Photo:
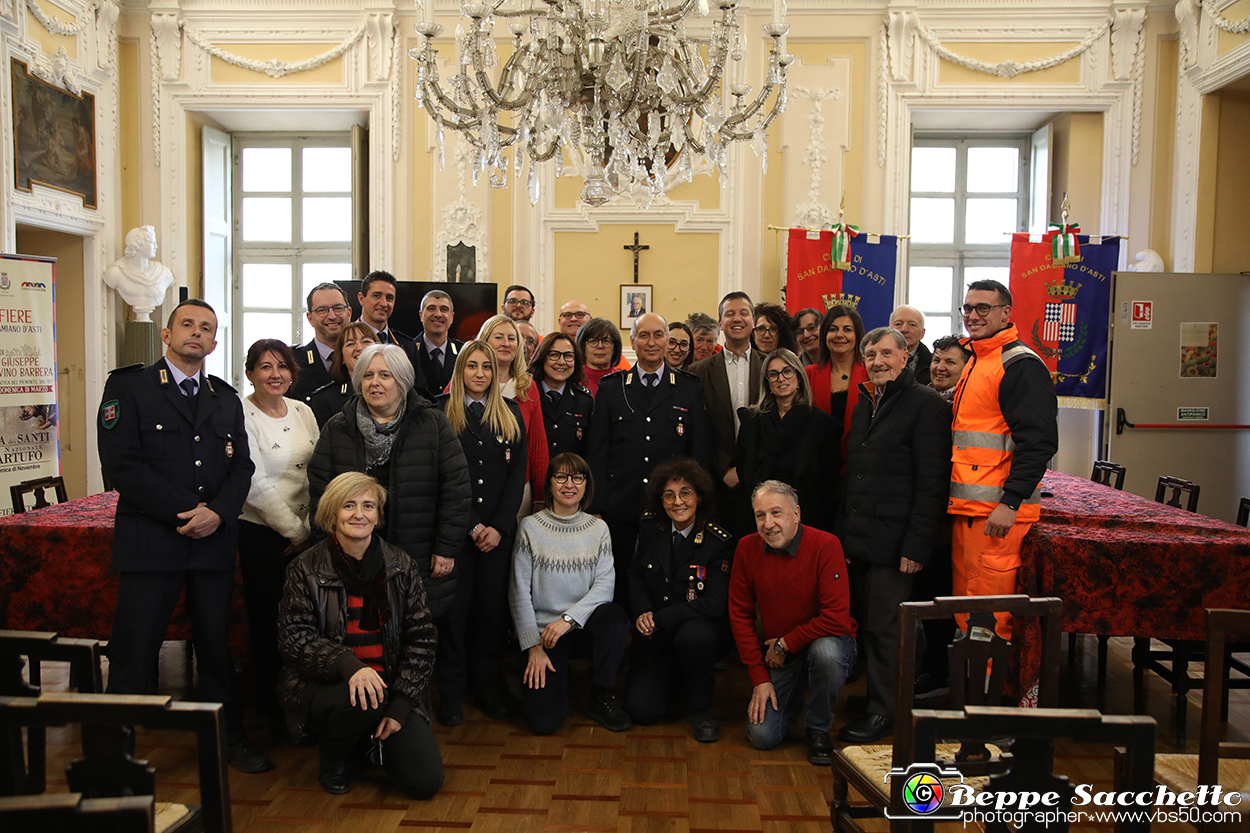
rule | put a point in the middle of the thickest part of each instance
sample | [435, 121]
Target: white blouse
[280, 448]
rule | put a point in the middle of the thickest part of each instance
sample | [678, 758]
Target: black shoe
[495, 707]
[247, 758]
[706, 729]
[819, 747]
[450, 713]
[604, 709]
[868, 728]
[927, 685]
[857, 703]
[332, 777]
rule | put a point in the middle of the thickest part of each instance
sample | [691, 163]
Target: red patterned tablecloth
[54, 574]
[1125, 565]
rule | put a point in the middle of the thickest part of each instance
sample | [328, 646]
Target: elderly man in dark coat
[897, 476]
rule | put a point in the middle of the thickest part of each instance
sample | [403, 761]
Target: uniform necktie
[554, 396]
[650, 379]
[477, 409]
[188, 390]
[437, 355]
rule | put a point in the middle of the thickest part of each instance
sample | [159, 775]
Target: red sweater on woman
[801, 597]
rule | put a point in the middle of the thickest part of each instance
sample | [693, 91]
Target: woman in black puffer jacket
[392, 433]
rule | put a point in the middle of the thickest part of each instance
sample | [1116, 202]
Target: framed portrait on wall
[54, 136]
[635, 301]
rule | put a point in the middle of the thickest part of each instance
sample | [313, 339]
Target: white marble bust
[137, 277]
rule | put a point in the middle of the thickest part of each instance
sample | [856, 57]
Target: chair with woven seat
[1030, 766]
[1217, 762]
[71, 813]
[979, 659]
[39, 489]
[1105, 472]
[1178, 487]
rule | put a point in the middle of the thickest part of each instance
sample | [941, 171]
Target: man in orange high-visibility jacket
[1003, 434]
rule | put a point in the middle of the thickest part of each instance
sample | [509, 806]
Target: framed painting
[53, 136]
[635, 301]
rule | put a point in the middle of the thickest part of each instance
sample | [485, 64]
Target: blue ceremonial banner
[1064, 313]
[871, 277]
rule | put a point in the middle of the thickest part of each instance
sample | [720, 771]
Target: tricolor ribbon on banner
[842, 234]
[1064, 247]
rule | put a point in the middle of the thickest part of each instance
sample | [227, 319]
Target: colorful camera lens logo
[922, 793]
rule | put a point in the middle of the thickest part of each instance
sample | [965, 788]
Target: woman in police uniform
[567, 402]
[329, 399]
[492, 434]
[679, 587]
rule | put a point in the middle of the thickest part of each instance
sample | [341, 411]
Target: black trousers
[605, 634]
[473, 633]
[882, 588]
[933, 581]
[669, 661]
[410, 756]
[145, 604]
[624, 536]
[262, 564]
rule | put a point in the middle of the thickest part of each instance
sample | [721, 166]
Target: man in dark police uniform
[173, 445]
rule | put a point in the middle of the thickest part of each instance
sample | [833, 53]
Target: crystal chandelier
[623, 80]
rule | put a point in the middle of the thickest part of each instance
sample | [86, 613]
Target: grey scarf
[379, 437]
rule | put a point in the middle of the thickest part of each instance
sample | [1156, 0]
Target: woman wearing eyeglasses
[679, 354]
[784, 437]
[772, 329]
[679, 589]
[563, 578]
[600, 345]
[566, 402]
[806, 325]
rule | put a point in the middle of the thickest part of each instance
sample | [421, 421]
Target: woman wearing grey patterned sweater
[561, 598]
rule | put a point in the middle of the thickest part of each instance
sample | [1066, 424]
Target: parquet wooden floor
[587, 779]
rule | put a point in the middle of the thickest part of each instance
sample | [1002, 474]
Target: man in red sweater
[797, 576]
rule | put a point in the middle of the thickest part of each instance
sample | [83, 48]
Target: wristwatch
[779, 649]
[567, 618]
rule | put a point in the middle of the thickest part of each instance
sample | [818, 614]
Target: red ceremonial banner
[1032, 267]
[809, 271]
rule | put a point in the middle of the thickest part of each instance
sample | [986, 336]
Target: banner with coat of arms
[843, 266]
[1063, 311]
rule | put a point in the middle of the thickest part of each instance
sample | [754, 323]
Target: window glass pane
[986, 273]
[315, 273]
[266, 169]
[267, 285]
[328, 169]
[929, 287]
[327, 218]
[933, 169]
[267, 218]
[989, 221]
[936, 326]
[258, 325]
[993, 169]
[932, 220]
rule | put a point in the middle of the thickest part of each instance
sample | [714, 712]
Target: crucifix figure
[636, 249]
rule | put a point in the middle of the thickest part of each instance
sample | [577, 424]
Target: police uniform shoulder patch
[127, 368]
[110, 411]
[718, 532]
[214, 381]
[583, 389]
[326, 386]
[615, 374]
[648, 515]
[678, 371]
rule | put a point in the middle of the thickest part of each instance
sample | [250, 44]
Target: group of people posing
[409, 512]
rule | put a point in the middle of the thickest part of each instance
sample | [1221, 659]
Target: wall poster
[1200, 349]
[29, 439]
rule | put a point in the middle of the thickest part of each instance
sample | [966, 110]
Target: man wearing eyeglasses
[573, 315]
[1003, 435]
[328, 312]
[518, 303]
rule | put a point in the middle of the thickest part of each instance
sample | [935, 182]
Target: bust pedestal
[141, 342]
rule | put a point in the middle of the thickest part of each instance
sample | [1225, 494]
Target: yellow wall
[681, 267]
[1226, 41]
[1076, 157]
[1068, 72]
[1231, 244]
[1208, 168]
[1164, 152]
[73, 410]
[48, 41]
[329, 73]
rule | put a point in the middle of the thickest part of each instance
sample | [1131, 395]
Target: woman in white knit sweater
[273, 527]
[561, 597]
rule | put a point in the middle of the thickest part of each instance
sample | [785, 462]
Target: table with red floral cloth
[54, 574]
[1125, 565]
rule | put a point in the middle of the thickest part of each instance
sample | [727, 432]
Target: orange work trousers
[985, 566]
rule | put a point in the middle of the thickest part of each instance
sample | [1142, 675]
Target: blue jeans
[824, 666]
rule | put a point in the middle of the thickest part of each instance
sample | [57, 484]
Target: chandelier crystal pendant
[623, 80]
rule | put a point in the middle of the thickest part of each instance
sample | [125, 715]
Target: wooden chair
[1105, 471]
[37, 488]
[71, 813]
[1030, 764]
[1243, 512]
[1217, 762]
[979, 659]
[83, 655]
[1178, 487]
[106, 770]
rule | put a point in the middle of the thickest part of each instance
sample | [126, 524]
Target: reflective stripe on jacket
[981, 443]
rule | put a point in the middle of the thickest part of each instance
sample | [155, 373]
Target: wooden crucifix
[636, 249]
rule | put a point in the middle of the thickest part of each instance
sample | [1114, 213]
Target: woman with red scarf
[841, 368]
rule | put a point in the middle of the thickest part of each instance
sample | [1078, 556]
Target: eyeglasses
[337, 309]
[810, 329]
[980, 309]
[565, 477]
[766, 331]
[686, 496]
[600, 341]
[784, 373]
[565, 316]
[518, 302]
[566, 356]
[674, 344]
